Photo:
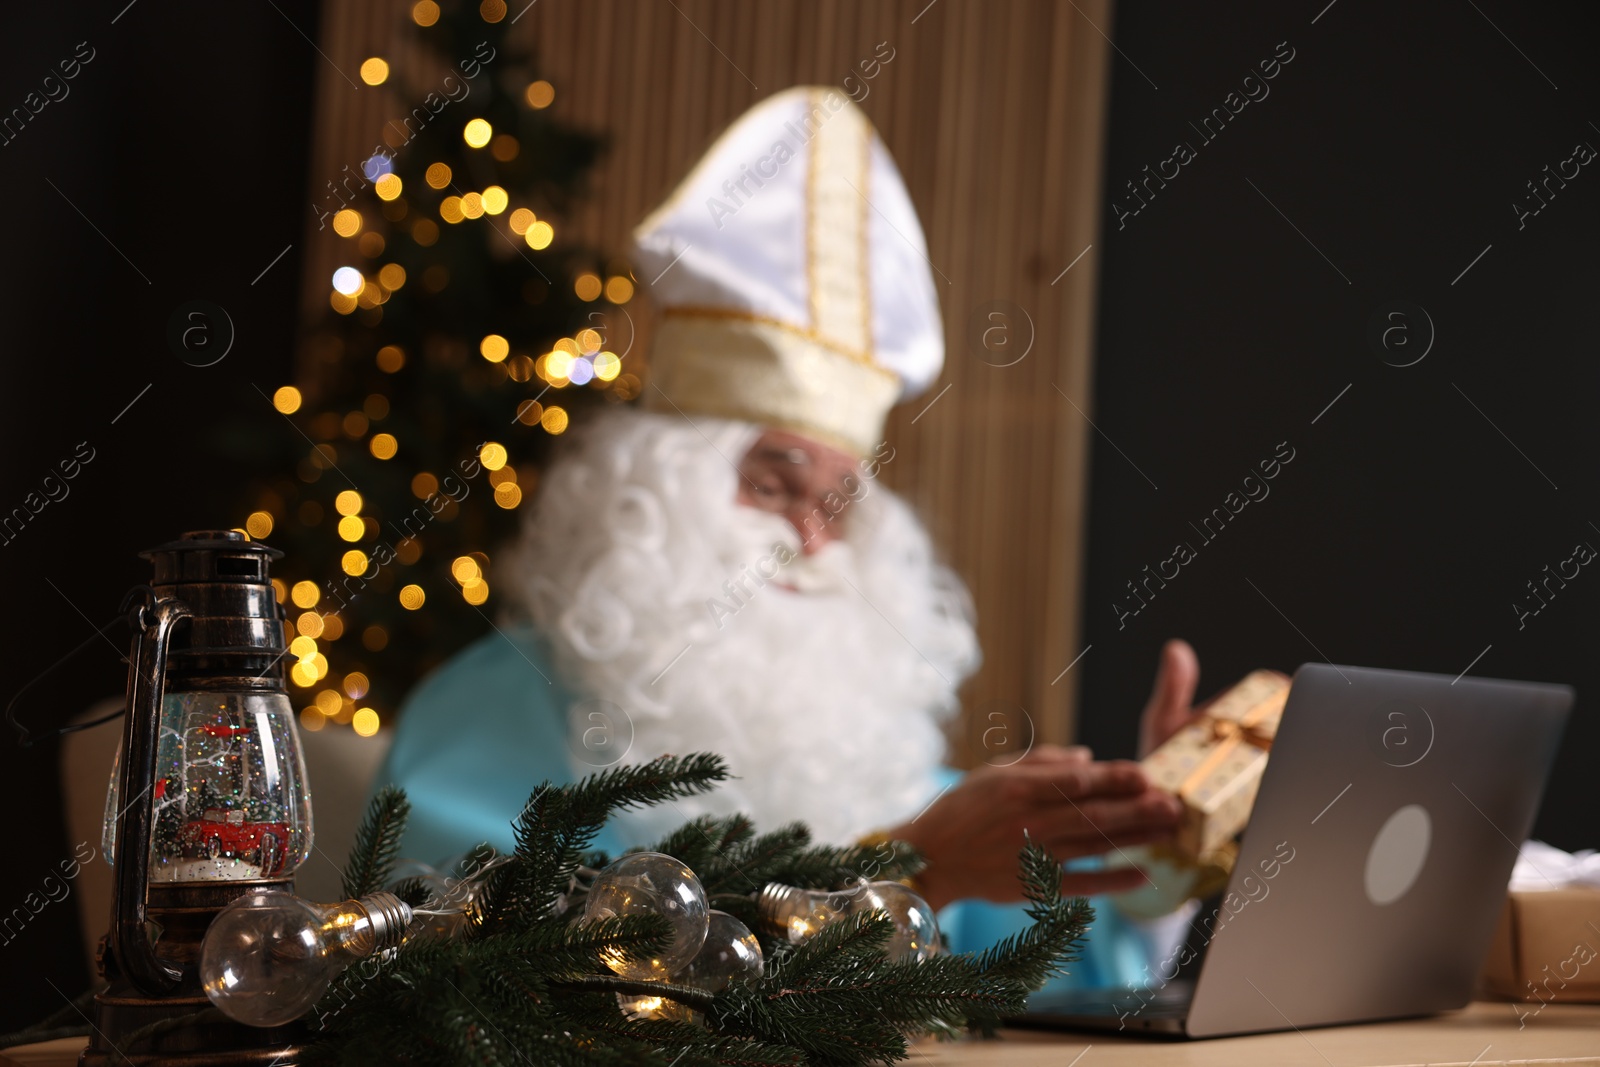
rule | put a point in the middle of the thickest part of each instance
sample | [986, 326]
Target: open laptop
[1374, 866]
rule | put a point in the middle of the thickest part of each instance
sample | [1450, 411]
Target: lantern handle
[153, 622]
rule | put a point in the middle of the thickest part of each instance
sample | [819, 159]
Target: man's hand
[1067, 802]
[1169, 710]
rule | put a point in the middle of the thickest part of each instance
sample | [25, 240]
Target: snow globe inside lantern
[229, 800]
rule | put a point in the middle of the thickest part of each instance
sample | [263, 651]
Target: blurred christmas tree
[462, 333]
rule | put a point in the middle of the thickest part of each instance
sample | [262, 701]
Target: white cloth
[1542, 866]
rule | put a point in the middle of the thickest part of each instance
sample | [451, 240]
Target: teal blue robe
[479, 733]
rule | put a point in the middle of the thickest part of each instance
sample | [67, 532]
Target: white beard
[664, 606]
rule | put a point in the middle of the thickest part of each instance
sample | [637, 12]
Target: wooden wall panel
[994, 112]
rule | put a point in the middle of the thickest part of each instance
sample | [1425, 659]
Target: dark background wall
[1235, 307]
[182, 142]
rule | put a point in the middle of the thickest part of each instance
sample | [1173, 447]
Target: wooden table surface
[1483, 1034]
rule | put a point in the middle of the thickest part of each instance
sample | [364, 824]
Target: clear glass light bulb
[650, 883]
[269, 956]
[799, 913]
[731, 954]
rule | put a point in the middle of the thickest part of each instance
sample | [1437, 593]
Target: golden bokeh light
[472, 205]
[347, 223]
[619, 290]
[539, 235]
[356, 685]
[588, 341]
[437, 175]
[355, 423]
[312, 719]
[492, 10]
[587, 286]
[259, 524]
[475, 592]
[412, 597]
[606, 366]
[371, 244]
[303, 647]
[353, 562]
[409, 550]
[344, 305]
[375, 71]
[287, 399]
[450, 209]
[521, 219]
[425, 12]
[493, 455]
[364, 722]
[310, 624]
[425, 232]
[303, 674]
[391, 276]
[554, 419]
[508, 495]
[558, 365]
[529, 411]
[347, 502]
[280, 590]
[332, 627]
[384, 445]
[424, 485]
[541, 94]
[494, 348]
[391, 358]
[351, 528]
[388, 186]
[465, 569]
[477, 132]
[495, 199]
[305, 594]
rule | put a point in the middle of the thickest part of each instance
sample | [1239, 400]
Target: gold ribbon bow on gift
[1229, 734]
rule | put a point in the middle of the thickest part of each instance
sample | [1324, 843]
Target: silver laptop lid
[1378, 853]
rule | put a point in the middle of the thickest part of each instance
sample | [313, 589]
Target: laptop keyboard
[1167, 1001]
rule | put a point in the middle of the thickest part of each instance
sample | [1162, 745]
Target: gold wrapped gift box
[1214, 764]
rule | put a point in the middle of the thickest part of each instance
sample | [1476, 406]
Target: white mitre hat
[793, 277]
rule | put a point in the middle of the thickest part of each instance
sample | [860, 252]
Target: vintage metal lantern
[208, 798]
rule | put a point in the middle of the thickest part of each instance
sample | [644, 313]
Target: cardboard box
[1547, 947]
[1214, 765]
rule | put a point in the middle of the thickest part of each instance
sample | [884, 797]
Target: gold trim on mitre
[769, 373]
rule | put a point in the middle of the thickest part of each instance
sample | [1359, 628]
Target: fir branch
[559, 823]
[1041, 952]
[377, 843]
[689, 996]
[528, 985]
[699, 843]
